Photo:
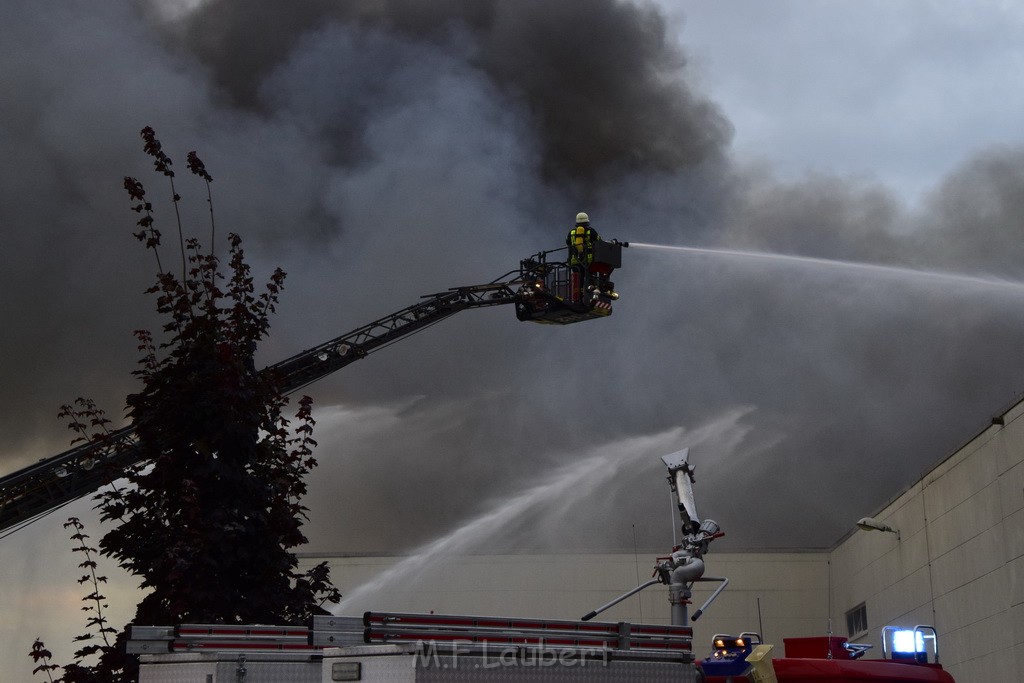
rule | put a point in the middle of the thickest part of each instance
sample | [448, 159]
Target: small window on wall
[857, 620]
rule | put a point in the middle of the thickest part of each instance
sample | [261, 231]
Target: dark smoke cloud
[597, 79]
[382, 150]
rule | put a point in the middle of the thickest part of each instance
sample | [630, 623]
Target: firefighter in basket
[580, 241]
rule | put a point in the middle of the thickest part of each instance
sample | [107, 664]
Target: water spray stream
[567, 485]
[870, 268]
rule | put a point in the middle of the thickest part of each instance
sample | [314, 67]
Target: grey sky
[899, 91]
[380, 159]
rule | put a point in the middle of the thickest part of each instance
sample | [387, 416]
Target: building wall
[957, 563]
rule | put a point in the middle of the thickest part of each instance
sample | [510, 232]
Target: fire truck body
[415, 647]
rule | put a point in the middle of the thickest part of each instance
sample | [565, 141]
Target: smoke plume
[382, 150]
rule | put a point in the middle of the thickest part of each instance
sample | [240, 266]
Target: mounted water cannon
[607, 257]
[685, 566]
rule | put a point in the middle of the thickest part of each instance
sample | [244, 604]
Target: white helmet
[582, 218]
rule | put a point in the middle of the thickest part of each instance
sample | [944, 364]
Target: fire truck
[908, 655]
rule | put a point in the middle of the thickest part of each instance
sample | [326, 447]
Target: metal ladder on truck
[537, 289]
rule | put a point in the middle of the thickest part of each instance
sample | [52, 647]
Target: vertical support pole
[679, 598]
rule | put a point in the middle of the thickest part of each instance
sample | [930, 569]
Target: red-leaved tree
[209, 518]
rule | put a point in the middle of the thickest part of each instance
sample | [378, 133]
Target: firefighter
[581, 241]
[581, 253]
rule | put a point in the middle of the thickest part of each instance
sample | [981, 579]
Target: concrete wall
[958, 562]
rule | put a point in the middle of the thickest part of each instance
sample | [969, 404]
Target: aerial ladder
[543, 290]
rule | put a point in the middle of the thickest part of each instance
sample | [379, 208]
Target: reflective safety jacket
[581, 244]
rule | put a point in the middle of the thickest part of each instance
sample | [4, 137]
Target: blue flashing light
[907, 641]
